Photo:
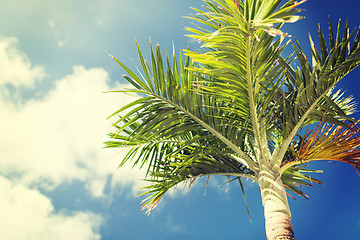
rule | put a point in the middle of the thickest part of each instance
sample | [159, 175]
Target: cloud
[55, 139]
[27, 214]
[15, 67]
[58, 138]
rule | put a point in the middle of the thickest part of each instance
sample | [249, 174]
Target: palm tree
[240, 109]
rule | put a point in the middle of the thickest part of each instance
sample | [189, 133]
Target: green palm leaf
[176, 132]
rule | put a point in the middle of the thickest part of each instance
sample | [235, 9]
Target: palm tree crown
[238, 107]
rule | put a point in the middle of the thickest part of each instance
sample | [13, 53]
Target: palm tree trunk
[276, 207]
[279, 227]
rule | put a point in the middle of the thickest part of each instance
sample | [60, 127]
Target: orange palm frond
[327, 142]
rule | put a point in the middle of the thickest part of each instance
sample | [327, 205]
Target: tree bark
[276, 207]
[279, 227]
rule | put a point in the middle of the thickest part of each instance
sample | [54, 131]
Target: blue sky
[56, 180]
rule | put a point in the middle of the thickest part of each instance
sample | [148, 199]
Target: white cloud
[59, 137]
[15, 67]
[55, 139]
[27, 214]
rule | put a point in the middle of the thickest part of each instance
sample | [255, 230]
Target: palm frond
[327, 142]
[309, 97]
[186, 166]
[239, 66]
[174, 132]
[169, 101]
[297, 177]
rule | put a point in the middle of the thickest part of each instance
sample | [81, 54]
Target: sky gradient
[56, 179]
